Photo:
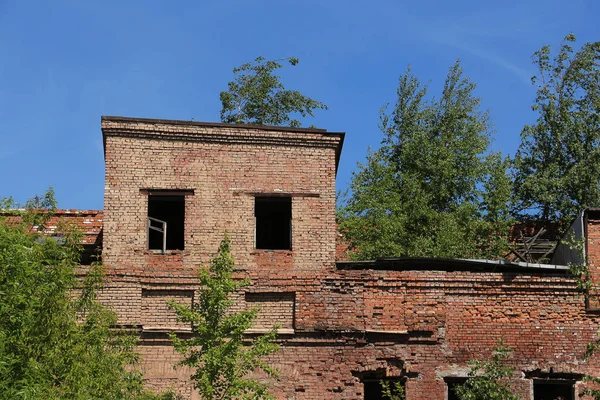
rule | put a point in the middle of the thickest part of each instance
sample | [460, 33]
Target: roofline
[338, 150]
[450, 264]
[71, 211]
[214, 124]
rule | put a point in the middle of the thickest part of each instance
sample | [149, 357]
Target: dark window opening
[273, 223]
[90, 254]
[166, 215]
[553, 390]
[452, 384]
[374, 389]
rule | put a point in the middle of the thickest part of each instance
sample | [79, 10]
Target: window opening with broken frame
[166, 216]
[273, 227]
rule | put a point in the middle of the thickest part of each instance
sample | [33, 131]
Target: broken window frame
[162, 230]
[183, 193]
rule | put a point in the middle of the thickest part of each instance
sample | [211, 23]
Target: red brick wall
[342, 325]
[155, 311]
[225, 177]
[593, 254]
[273, 308]
[437, 323]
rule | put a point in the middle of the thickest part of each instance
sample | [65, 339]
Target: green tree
[431, 189]
[557, 166]
[488, 380]
[257, 96]
[53, 343]
[219, 352]
[392, 390]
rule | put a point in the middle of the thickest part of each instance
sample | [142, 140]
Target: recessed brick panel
[274, 308]
[156, 313]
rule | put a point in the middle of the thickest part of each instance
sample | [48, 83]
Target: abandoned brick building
[173, 188]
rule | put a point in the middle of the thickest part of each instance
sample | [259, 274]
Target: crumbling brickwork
[342, 324]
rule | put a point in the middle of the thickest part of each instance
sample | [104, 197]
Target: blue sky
[63, 64]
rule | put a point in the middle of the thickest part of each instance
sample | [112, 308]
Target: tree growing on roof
[557, 166]
[257, 96]
[220, 354]
[431, 189]
[54, 345]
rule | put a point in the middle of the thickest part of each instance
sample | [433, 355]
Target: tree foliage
[392, 390]
[55, 344]
[557, 167]
[218, 352]
[488, 380]
[431, 189]
[257, 96]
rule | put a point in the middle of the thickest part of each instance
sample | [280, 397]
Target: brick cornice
[133, 120]
[213, 132]
[253, 137]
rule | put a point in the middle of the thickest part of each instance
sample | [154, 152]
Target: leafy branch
[488, 380]
[257, 96]
[220, 354]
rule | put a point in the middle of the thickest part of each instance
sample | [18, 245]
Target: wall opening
[273, 230]
[373, 388]
[166, 216]
[452, 384]
[553, 390]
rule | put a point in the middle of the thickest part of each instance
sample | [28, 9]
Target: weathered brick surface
[125, 297]
[593, 253]
[225, 167]
[155, 311]
[88, 222]
[421, 323]
[273, 308]
[158, 359]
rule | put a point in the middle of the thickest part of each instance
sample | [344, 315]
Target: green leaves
[392, 390]
[256, 96]
[488, 380]
[557, 167]
[219, 352]
[430, 190]
[53, 343]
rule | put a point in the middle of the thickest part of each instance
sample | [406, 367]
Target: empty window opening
[374, 388]
[166, 215]
[452, 384]
[273, 223]
[553, 390]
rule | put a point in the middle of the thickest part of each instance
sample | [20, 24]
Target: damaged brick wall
[341, 326]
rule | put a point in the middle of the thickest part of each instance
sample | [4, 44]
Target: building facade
[175, 188]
